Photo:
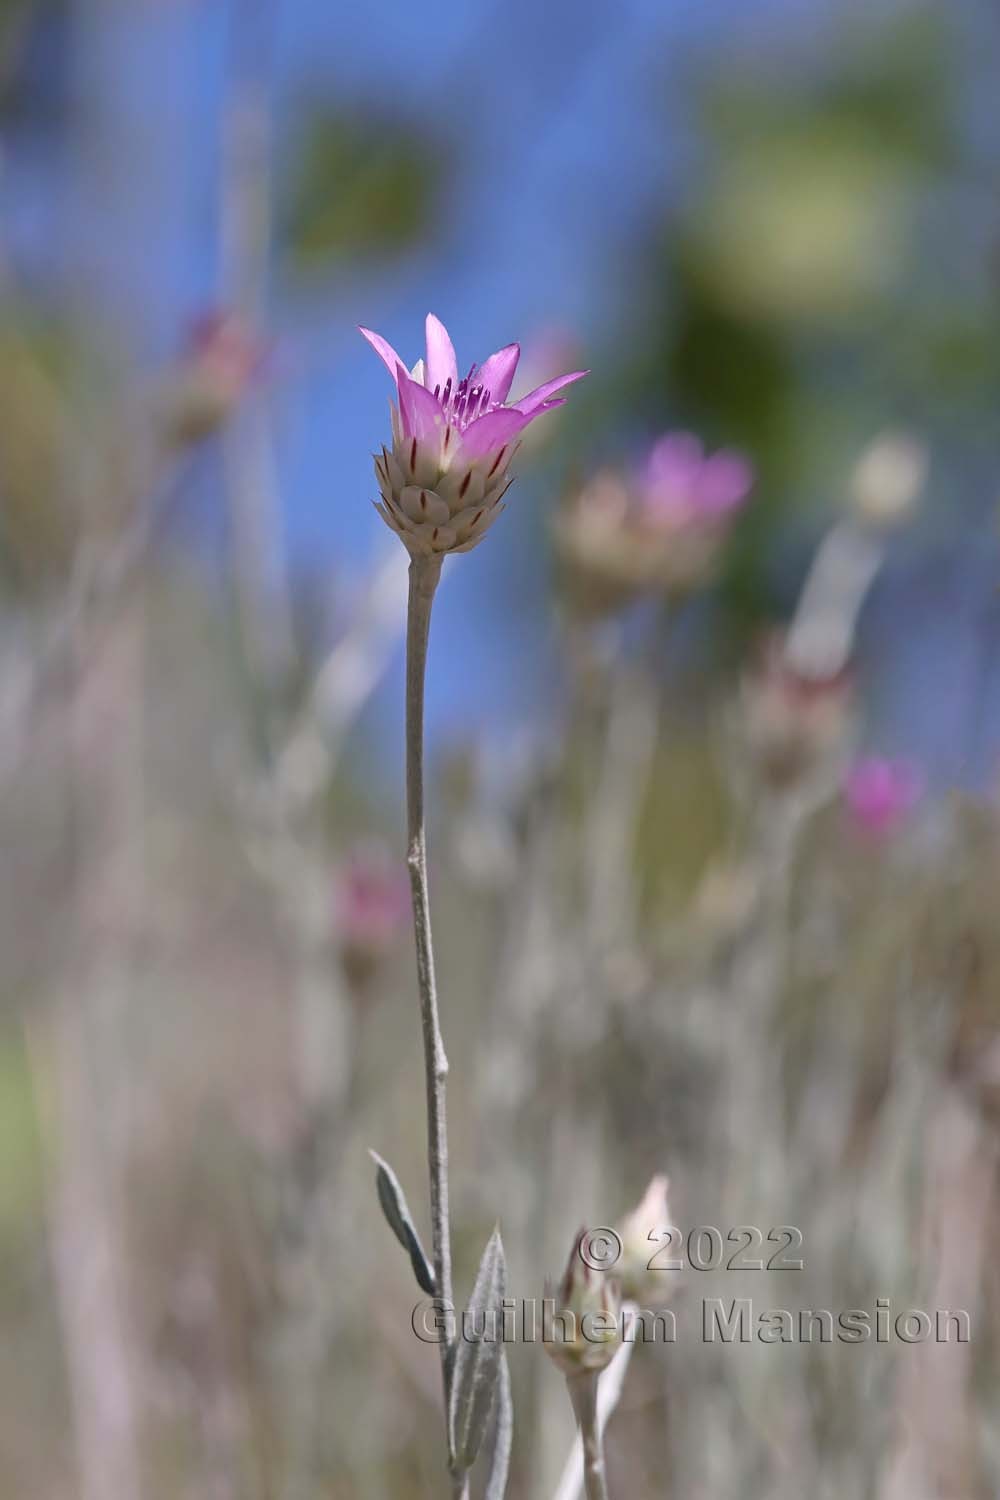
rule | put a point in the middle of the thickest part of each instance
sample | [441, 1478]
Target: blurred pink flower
[372, 902]
[680, 483]
[452, 442]
[660, 529]
[222, 341]
[879, 793]
[221, 357]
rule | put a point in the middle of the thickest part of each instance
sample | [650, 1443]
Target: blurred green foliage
[359, 186]
[824, 270]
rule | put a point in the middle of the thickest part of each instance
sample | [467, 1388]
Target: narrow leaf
[397, 1213]
[477, 1357]
[503, 1435]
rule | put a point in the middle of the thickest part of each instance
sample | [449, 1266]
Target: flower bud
[641, 1232]
[372, 903]
[221, 359]
[791, 721]
[888, 479]
[584, 1332]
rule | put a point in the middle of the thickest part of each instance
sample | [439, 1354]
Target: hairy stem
[424, 577]
[583, 1394]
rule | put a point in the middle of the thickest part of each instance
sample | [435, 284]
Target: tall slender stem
[583, 1394]
[424, 577]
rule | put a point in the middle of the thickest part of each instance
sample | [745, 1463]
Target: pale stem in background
[258, 541]
[583, 1394]
[609, 1389]
[425, 575]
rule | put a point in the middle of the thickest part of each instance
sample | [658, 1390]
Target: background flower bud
[641, 1235]
[888, 479]
[221, 358]
[372, 903]
[791, 721]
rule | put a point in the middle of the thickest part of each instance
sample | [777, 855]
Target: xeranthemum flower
[658, 529]
[444, 480]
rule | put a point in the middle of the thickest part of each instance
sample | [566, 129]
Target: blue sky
[567, 131]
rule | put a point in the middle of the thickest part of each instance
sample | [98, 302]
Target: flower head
[443, 481]
[879, 793]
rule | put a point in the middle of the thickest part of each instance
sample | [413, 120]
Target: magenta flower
[680, 483]
[444, 479]
[880, 793]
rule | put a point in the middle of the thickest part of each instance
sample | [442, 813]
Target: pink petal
[441, 363]
[384, 350]
[494, 430]
[675, 460]
[725, 481]
[419, 408]
[497, 372]
[539, 396]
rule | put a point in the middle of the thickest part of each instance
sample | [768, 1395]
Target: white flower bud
[888, 479]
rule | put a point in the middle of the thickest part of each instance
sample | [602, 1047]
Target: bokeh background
[772, 225]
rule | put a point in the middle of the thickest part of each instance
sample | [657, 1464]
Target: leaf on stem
[496, 1485]
[397, 1213]
[478, 1359]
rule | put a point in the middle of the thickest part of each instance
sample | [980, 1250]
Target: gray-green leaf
[397, 1213]
[477, 1360]
[503, 1436]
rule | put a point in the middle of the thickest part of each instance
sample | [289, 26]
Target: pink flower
[880, 793]
[680, 483]
[444, 479]
[372, 903]
[660, 529]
